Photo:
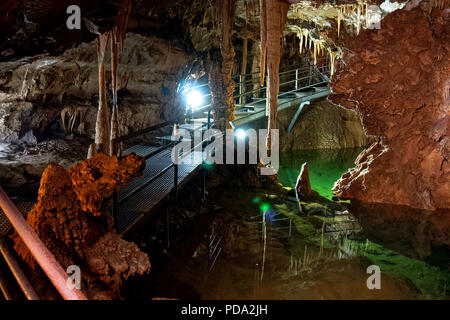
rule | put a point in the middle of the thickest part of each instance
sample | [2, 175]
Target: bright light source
[194, 99]
[240, 134]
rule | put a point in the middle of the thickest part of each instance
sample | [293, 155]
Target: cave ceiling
[36, 27]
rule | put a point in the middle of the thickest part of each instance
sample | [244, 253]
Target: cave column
[102, 137]
[227, 12]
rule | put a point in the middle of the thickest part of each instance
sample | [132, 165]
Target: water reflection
[325, 167]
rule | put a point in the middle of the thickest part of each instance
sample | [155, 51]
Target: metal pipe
[5, 288]
[17, 272]
[43, 256]
[141, 132]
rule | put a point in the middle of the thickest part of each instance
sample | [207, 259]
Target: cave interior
[225, 149]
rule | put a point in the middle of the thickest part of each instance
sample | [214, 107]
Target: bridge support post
[241, 89]
[168, 226]
[203, 184]
[175, 181]
[209, 118]
[294, 119]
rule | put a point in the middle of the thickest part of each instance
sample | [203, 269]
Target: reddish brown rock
[303, 186]
[97, 178]
[63, 220]
[112, 259]
[397, 78]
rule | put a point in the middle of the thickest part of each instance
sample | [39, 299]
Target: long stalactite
[117, 38]
[222, 92]
[273, 20]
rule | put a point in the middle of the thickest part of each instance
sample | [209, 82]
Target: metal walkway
[298, 84]
[132, 209]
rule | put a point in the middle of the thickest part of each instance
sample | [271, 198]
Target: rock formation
[69, 218]
[322, 125]
[303, 186]
[34, 92]
[397, 79]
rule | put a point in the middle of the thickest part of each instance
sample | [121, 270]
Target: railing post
[209, 118]
[241, 89]
[310, 74]
[168, 226]
[203, 184]
[175, 180]
[114, 209]
[296, 79]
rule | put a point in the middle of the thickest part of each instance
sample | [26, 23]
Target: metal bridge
[161, 178]
[298, 84]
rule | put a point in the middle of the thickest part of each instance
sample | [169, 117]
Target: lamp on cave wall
[194, 99]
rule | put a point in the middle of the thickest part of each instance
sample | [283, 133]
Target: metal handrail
[141, 132]
[38, 250]
[310, 70]
[17, 272]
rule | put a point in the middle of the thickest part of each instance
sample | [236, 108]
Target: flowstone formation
[397, 79]
[71, 221]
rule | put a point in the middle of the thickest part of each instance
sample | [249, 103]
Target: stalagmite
[102, 141]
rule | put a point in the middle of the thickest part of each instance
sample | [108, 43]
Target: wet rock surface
[321, 125]
[401, 75]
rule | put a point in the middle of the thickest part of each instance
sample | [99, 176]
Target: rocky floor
[21, 166]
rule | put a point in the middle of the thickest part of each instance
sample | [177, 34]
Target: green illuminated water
[325, 167]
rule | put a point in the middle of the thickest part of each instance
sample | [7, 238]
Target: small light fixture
[240, 134]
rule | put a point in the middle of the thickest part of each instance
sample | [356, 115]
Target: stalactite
[358, 23]
[334, 52]
[102, 124]
[115, 133]
[224, 13]
[244, 67]
[104, 131]
[339, 20]
[300, 36]
[73, 119]
[315, 52]
[367, 14]
[275, 18]
[263, 34]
